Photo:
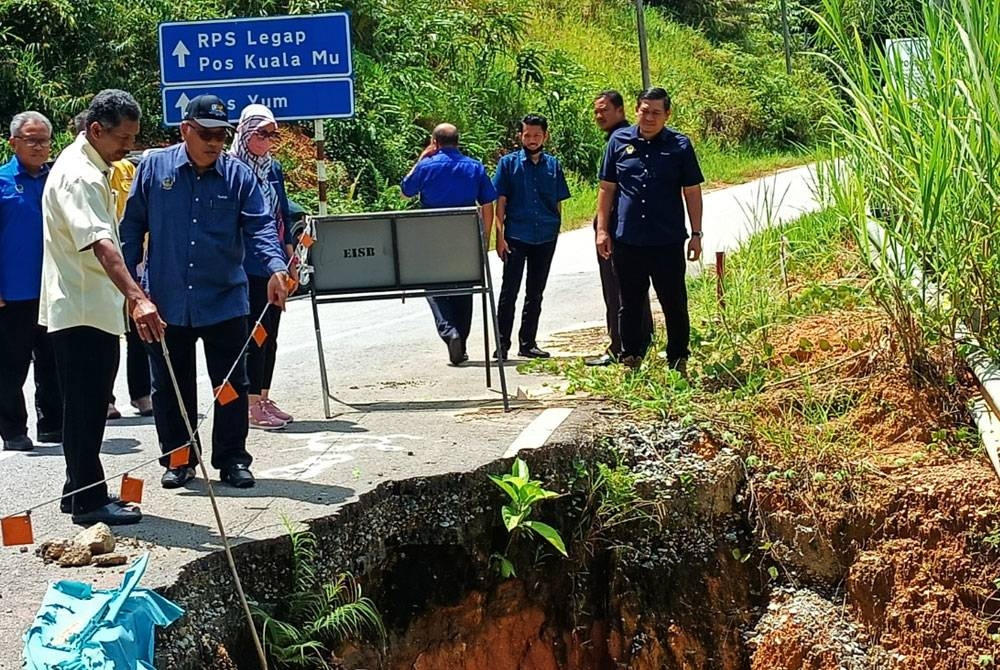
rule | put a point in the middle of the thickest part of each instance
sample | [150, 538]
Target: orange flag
[226, 393]
[131, 491]
[259, 336]
[291, 285]
[17, 530]
[179, 458]
[306, 240]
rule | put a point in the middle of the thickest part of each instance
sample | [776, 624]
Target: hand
[694, 248]
[277, 289]
[2, 303]
[148, 324]
[603, 244]
[502, 250]
[429, 150]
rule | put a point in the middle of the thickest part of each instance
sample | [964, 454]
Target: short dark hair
[533, 120]
[80, 122]
[445, 137]
[654, 93]
[112, 106]
[613, 96]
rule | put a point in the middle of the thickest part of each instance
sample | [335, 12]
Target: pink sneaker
[262, 419]
[276, 411]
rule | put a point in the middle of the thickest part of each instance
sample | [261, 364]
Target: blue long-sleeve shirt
[20, 231]
[449, 178]
[197, 225]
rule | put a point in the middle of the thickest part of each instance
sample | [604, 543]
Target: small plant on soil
[303, 629]
[524, 493]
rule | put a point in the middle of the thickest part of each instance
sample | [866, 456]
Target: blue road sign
[288, 100]
[256, 49]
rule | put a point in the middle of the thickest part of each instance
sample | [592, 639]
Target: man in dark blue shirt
[609, 115]
[200, 205]
[650, 172]
[444, 177]
[22, 180]
[530, 187]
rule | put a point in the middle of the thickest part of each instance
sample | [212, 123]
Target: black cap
[207, 111]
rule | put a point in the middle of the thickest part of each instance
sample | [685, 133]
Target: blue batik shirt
[198, 225]
[533, 192]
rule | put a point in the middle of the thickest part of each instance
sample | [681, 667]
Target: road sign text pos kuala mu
[256, 49]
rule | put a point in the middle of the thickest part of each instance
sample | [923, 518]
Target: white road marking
[539, 430]
[331, 449]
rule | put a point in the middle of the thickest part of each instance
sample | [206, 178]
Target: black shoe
[174, 478]
[51, 437]
[500, 354]
[66, 508]
[112, 514]
[19, 443]
[456, 350]
[632, 362]
[533, 352]
[238, 476]
[599, 361]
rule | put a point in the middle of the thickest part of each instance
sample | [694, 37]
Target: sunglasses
[211, 135]
[270, 135]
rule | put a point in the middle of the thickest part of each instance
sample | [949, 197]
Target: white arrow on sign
[182, 102]
[181, 51]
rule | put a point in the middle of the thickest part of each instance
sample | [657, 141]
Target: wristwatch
[695, 233]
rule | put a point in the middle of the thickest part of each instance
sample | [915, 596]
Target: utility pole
[788, 39]
[640, 17]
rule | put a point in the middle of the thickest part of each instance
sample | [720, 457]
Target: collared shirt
[78, 209]
[21, 231]
[122, 174]
[449, 178]
[197, 225]
[650, 175]
[533, 192]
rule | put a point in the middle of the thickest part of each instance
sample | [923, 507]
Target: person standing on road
[200, 206]
[530, 187]
[649, 173]
[136, 359]
[256, 134]
[22, 180]
[609, 114]
[445, 177]
[83, 280]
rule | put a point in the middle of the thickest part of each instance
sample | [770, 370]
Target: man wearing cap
[83, 280]
[22, 340]
[200, 205]
[445, 177]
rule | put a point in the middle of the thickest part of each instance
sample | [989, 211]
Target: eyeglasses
[33, 143]
[211, 135]
[269, 135]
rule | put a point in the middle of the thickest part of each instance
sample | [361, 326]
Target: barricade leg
[319, 353]
[486, 340]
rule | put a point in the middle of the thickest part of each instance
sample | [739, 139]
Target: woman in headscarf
[256, 135]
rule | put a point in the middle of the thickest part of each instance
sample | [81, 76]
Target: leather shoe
[456, 350]
[238, 476]
[500, 354]
[66, 507]
[533, 352]
[599, 361]
[19, 443]
[174, 478]
[51, 437]
[144, 405]
[112, 514]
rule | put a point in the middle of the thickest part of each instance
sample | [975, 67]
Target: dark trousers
[222, 343]
[453, 316]
[538, 259]
[86, 359]
[613, 305]
[260, 360]
[665, 266]
[21, 341]
[136, 365]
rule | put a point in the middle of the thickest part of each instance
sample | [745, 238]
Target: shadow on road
[320, 494]
[332, 426]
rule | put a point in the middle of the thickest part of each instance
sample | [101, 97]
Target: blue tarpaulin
[80, 628]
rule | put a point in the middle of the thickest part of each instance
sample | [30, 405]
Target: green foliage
[524, 493]
[304, 628]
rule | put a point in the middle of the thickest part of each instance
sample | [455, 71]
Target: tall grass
[921, 153]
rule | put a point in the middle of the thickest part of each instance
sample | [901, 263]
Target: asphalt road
[399, 411]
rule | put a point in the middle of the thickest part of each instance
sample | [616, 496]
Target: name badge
[167, 183]
[19, 188]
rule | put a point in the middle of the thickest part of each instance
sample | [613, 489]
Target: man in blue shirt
[444, 177]
[200, 205]
[22, 180]
[530, 187]
[649, 173]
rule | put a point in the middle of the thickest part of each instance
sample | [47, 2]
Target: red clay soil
[907, 532]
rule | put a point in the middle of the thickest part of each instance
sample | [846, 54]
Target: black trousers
[453, 316]
[613, 305]
[86, 359]
[538, 259]
[665, 266]
[21, 341]
[136, 366]
[222, 343]
[260, 360]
